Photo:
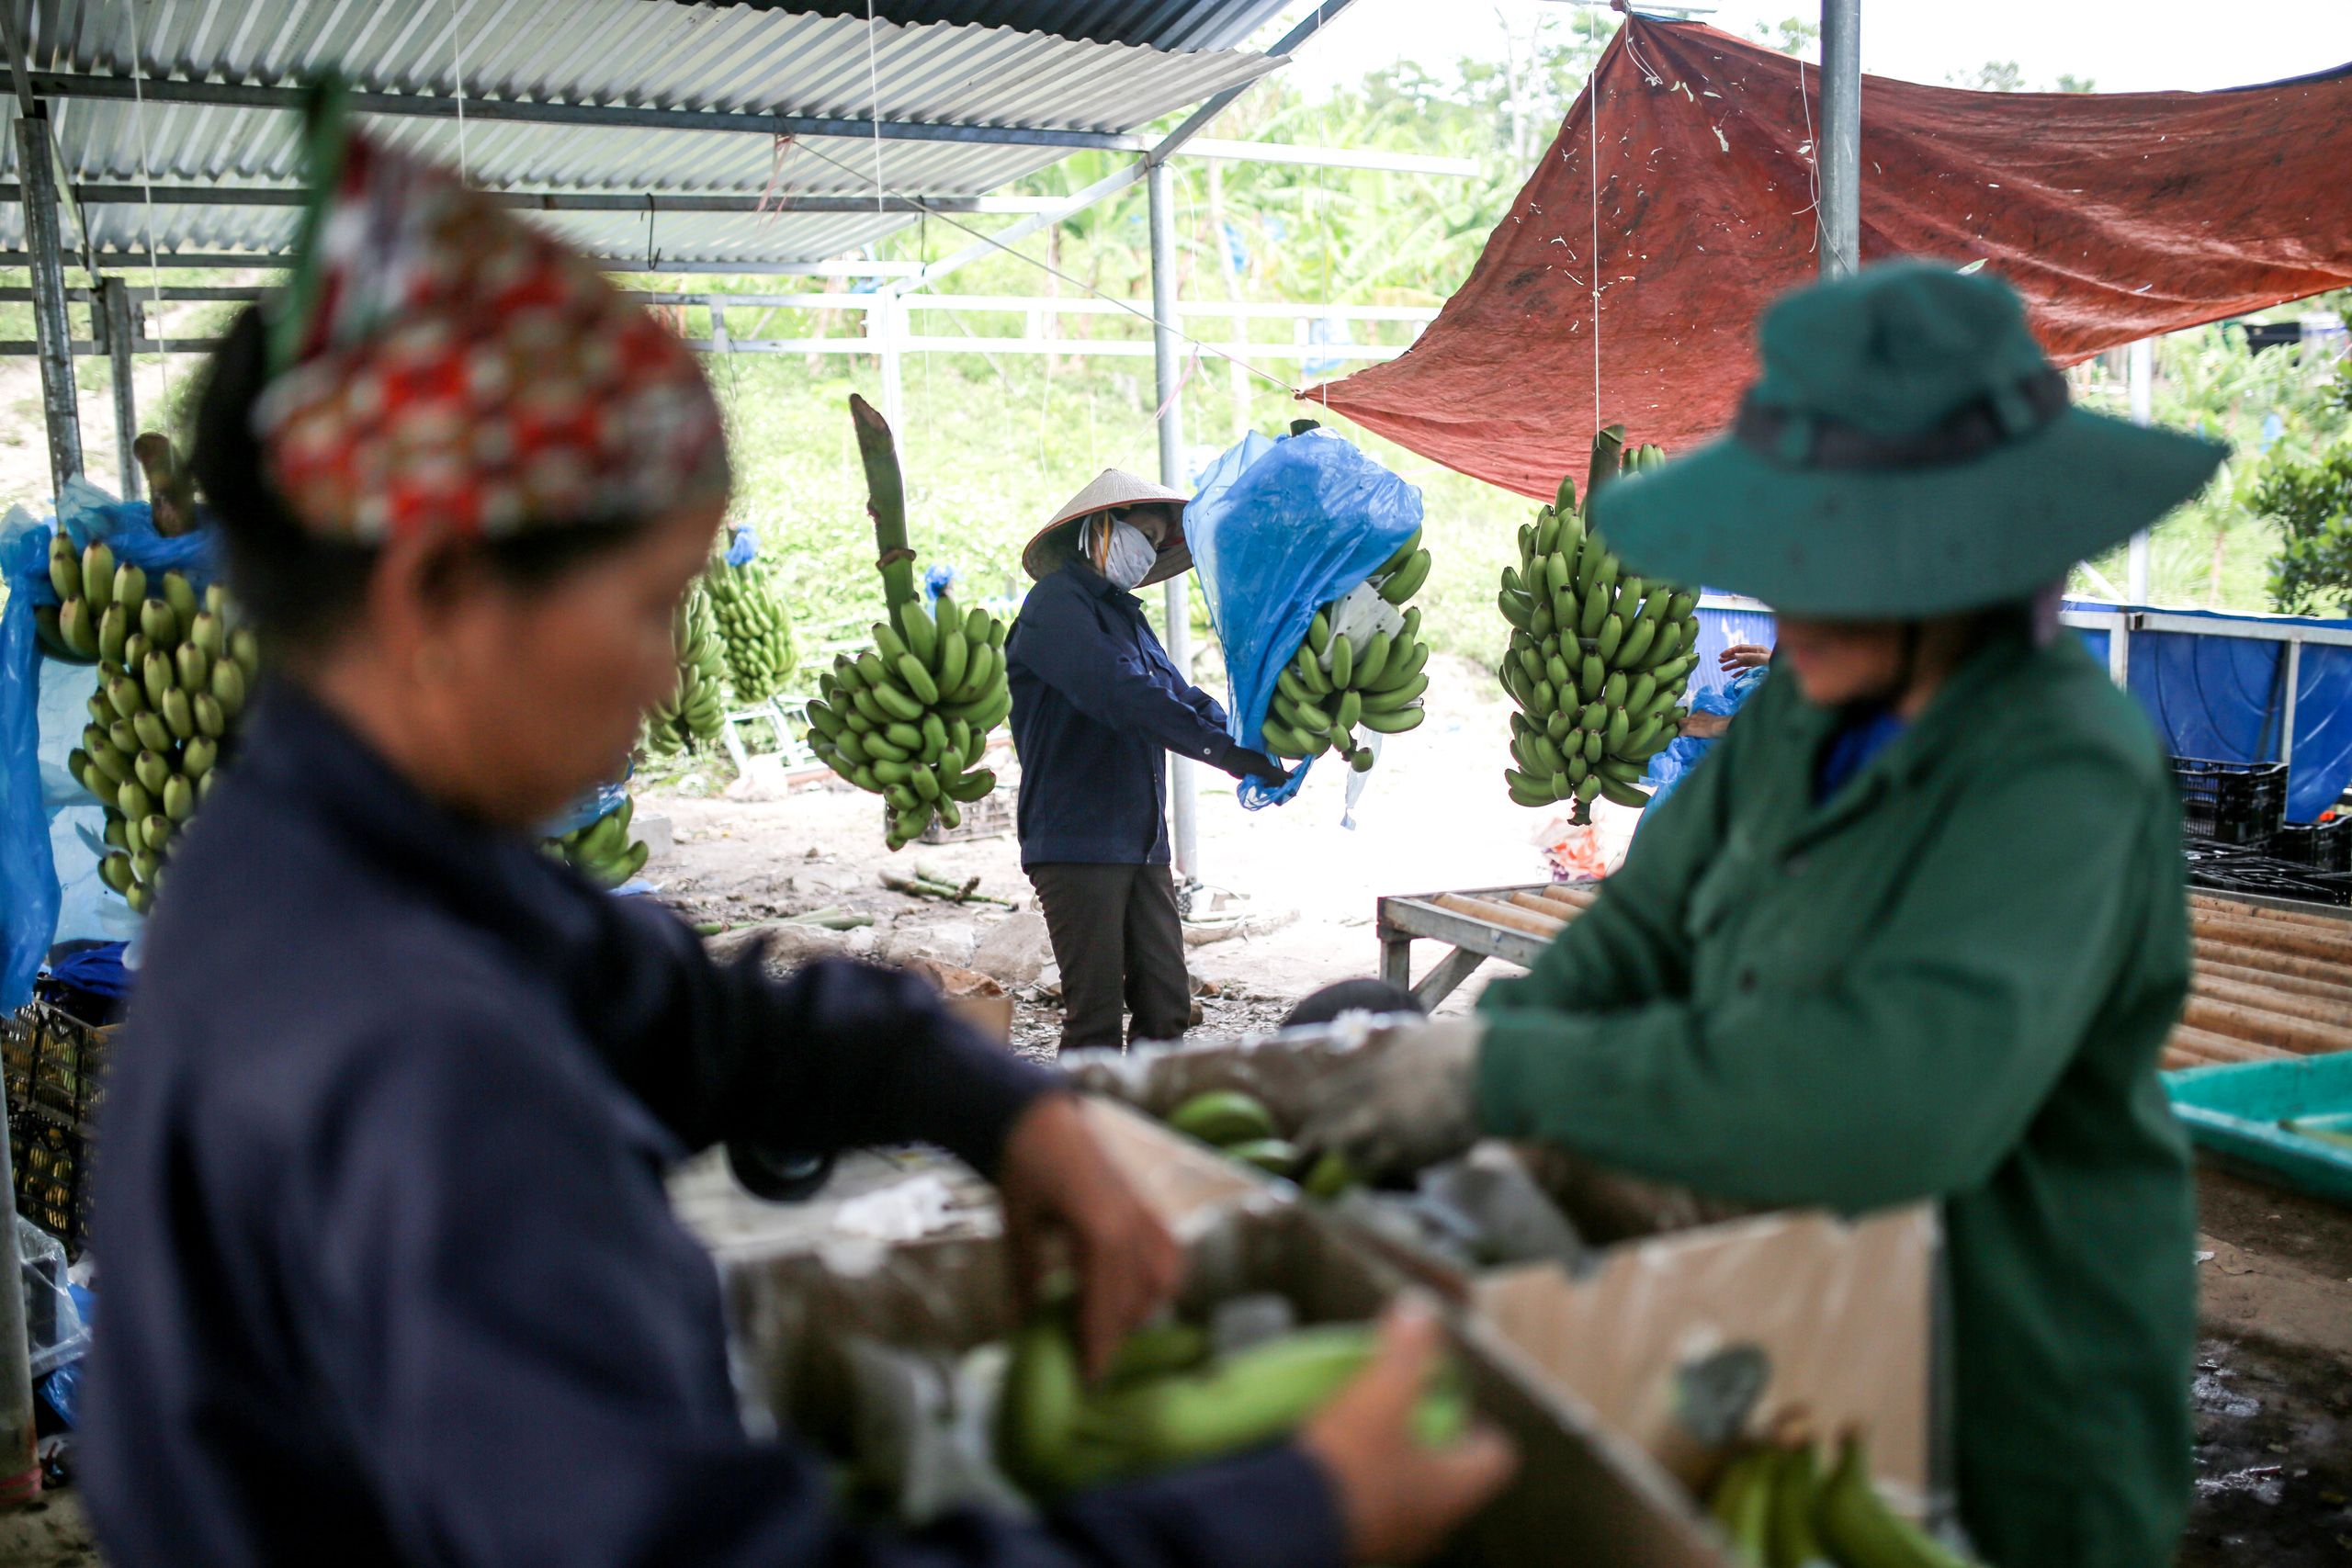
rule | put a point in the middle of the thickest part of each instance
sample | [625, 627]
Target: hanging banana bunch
[602, 851]
[756, 627]
[1359, 667]
[697, 709]
[908, 720]
[1597, 658]
[172, 674]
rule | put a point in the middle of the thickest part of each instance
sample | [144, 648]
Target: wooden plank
[1422, 917]
[2293, 937]
[1500, 914]
[2221, 1047]
[2270, 998]
[2293, 984]
[2299, 1036]
[2328, 971]
[1549, 908]
[1440, 982]
[2328, 917]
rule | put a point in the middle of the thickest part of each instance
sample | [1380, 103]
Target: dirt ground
[2274, 1381]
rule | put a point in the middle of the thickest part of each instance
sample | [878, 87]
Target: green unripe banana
[1395, 723]
[199, 755]
[209, 719]
[153, 734]
[229, 686]
[920, 632]
[131, 587]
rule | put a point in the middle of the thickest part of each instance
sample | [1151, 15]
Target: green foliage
[2311, 502]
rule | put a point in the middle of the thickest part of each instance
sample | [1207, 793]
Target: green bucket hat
[1908, 451]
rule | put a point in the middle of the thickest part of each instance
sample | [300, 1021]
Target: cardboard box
[1839, 1318]
[1583, 1494]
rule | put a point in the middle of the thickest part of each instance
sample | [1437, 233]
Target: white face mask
[1129, 558]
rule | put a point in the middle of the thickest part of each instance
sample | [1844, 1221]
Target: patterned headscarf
[434, 357]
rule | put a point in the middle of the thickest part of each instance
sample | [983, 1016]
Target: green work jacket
[1950, 979]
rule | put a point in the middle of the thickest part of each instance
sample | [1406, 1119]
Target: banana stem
[1608, 453]
[885, 503]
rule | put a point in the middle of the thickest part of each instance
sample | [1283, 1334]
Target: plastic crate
[2264, 877]
[2322, 846]
[2251, 1112]
[54, 1069]
[2231, 802]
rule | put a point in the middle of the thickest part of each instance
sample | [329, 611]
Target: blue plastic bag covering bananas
[1279, 530]
[109, 624]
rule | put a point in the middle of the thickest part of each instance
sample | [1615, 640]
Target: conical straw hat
[1111, 488]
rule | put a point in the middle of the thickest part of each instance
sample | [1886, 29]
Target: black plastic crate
[2231, 802]
[54, 1066]
[2264, 878]
[2322, 846]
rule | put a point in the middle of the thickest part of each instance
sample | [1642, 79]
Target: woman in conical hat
[392, 1275]
[1097, 705]
[1916, 929]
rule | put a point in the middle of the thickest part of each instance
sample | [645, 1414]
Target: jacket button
[1747, 980]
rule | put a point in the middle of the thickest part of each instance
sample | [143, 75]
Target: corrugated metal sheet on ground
[607, 52]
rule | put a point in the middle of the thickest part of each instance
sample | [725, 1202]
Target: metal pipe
[1183, 830]
[2140, 362]
[121, 320]
[1839, 156]
[59, 408]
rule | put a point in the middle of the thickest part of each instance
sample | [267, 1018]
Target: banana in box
[883, 1363]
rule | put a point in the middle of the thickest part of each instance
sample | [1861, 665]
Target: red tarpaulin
[2117, 215]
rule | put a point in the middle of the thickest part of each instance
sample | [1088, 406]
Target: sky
[2121, 45]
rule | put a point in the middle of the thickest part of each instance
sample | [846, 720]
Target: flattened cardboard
[1841, 1311]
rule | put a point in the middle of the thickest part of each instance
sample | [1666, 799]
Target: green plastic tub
[2276, 1115]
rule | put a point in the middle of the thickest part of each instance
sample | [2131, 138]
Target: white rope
[1592, 263]
[874, 105]
[457, 60]
[146, 186]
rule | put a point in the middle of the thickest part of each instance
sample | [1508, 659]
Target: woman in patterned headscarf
[390, 1276]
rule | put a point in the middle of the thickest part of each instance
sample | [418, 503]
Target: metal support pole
[1184, 831]
[50, 329]
[2141, 360]
[2294, 656]
[19, 1465]
[117, 320]
[1839, 216]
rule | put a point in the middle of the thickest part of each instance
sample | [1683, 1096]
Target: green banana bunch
[1780, 1513]
[174, 671]
[1166, 1402]
[909, 720]
[603, 851]
[697, 709]
[1331, 688]
[762, 652]
[1597, 659]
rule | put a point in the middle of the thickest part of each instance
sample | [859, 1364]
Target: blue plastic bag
[592, 806]
[49, 847]
[1278, 529]
[744, 546]
[1671, 766]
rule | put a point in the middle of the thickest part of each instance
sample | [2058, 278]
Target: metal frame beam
[115, 318]
[248, 95]
[1183, 798]
[557, 201]
[1839, 219]
[60, 403]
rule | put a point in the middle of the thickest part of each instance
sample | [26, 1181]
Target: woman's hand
[1397, 1498]
[1705, 726]
[1057, 1182]
[1744, 656]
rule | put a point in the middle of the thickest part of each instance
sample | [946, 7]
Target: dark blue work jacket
[389, 1274]
[1095, 704]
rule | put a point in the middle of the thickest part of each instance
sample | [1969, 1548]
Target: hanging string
[1592, 122]
[1812, 156]
[1079, 283]
[874, 104]
[147, 188]
[458, 62]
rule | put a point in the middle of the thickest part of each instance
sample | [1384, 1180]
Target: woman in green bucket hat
[1918, 928]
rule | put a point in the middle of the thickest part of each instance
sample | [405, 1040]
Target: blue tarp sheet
[2213, 695]
[2223, 698]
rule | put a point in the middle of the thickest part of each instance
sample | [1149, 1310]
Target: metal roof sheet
[1160, 24]
[632, 53]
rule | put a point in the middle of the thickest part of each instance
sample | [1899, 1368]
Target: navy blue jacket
[1096, 703]
[389, 1273]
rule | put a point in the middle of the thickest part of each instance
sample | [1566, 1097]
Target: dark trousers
[1117, 938]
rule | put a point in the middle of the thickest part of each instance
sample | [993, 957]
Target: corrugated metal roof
[1159, 24]
[608, 52]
